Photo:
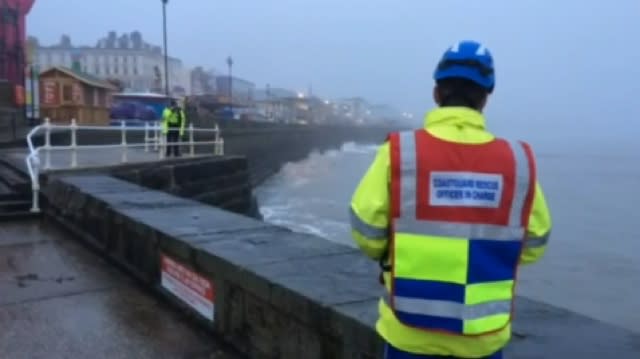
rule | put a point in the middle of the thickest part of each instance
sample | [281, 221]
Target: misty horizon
[565, 66]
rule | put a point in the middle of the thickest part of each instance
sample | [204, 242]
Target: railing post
[156, 137]
[123, 142]
[191, 145]
[35, 190]
[47, 143]
[161, 147]
[146, 136]
[74, 143]
[216, 147]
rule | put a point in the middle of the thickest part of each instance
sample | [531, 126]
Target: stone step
[13, 179]
[20, 215]
[15, 205]
[4, 189]
[6, 194]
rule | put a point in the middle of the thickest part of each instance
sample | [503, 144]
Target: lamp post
[230, 64]
[166, 56]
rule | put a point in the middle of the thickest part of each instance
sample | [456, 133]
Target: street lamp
[166, 56]
[230, 64]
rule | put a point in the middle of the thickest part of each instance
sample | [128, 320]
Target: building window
[67, 93]
[87, 92]
[102, 101]
[96, 99]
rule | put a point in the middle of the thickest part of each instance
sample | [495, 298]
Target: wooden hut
[69, 93]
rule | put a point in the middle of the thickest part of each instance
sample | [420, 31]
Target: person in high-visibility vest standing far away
[173, 122]
[450, 212]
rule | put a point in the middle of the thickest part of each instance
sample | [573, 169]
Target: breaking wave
[312, 196]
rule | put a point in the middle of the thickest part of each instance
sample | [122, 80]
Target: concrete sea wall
[222, 182]
[268, 291]
[267, 150]
[277, 293]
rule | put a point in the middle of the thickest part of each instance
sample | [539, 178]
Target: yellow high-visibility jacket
[370, 209]
[170, 117]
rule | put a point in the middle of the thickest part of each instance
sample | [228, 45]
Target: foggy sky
[565, 69]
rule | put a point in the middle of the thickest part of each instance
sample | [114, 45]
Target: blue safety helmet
[468, 60]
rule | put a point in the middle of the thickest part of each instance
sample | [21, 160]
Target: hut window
[88, 95]
[67, 93]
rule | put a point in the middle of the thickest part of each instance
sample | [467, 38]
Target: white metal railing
[153, 139]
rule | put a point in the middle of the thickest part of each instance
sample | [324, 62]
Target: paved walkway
[87, 158]
[59, 300]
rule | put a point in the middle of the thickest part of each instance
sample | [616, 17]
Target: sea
[592, 265]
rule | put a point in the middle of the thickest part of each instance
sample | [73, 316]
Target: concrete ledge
[223, 182]
[276, 293]
[220, 181]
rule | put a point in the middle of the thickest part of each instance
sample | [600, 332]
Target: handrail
[33, 158]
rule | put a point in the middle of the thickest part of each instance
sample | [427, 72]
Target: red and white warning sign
[192, 288]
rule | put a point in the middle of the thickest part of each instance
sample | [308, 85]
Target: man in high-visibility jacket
[451, 211]
[173, 120]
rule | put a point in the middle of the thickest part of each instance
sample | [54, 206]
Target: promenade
[60, 300]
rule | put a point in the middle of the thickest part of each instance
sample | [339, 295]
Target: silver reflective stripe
[366, 229]
[461, 230]
[448, 309]
[408, 174]
[537, 242]
[521, 187]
